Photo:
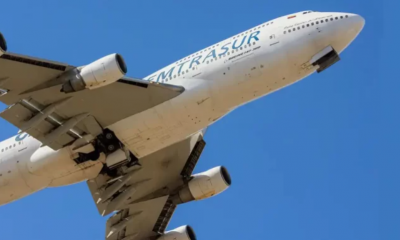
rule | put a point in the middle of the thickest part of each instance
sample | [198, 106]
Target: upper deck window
[307, 12]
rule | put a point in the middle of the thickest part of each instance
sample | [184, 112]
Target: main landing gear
[117, 155]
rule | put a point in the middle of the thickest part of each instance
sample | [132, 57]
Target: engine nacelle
[204, 185]
[102, 72]
[180, 233]
[3, 44]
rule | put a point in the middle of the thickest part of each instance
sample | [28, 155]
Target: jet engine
[3, 44]
[204, 185]
[180, 233]
[99, 73]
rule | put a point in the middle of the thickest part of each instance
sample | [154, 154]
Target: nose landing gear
[325, 58]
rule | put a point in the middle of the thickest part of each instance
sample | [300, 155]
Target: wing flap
[158, 173]
[16, 113]
[148, 188]
[137, 220]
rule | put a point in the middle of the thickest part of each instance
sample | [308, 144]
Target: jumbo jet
[137, 141]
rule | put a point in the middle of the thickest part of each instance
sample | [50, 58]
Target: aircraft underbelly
[12, 182]
[169, 122]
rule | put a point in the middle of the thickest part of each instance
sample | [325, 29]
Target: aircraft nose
[348, 25]
[357, 23]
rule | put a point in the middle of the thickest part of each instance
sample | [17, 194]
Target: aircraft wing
[143, 195]
[25, 86]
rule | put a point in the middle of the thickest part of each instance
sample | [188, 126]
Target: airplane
[137, 141]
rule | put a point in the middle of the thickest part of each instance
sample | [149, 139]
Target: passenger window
[317, 22]
[336, 18]
[341, 17]
[284, 32]
[290, 30]
[326, 20]
[331, 19]
[308, 25]
[303, 26]
[347, 16]
[312, 24]
[298, 28]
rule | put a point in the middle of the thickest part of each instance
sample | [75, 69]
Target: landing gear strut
[116, 153]
[325, 58]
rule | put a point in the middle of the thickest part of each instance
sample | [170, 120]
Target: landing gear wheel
[111, 148]
[108, 142]
[109, 136]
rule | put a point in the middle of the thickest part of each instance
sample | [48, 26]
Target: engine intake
[99, 73]
[204, 185]
[180, 233]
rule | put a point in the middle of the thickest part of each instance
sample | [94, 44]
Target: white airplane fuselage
[217, 80]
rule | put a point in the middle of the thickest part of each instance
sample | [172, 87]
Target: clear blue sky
[317, 160]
